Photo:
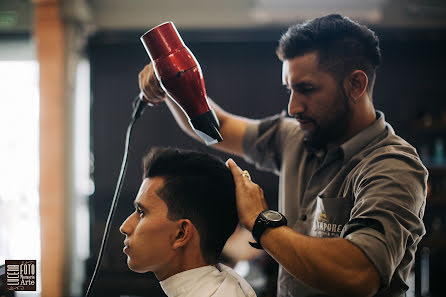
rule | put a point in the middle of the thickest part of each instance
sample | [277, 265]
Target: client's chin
[135, 268]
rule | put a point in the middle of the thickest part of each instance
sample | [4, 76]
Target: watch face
[272, 215]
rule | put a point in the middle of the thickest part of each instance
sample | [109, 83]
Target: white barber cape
[207, 281]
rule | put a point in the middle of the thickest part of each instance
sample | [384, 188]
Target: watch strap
[259, 227]
[256, 245]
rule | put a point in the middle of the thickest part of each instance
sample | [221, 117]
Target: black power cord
[138, 109]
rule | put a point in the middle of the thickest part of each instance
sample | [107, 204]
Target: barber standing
[351, 193]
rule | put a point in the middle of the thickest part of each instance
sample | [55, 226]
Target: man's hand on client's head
[250, 199]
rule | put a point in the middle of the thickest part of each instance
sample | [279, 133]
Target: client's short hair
[198, 187]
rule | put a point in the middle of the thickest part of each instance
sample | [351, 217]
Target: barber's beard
[333, 126]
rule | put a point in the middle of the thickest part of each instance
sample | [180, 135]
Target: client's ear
[184, 233]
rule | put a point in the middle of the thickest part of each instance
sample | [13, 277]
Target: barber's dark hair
[198, 187]
[341, 44]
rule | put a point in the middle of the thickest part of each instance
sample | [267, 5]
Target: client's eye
[307, 89]
[140, 211]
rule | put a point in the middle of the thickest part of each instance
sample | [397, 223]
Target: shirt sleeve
[264, 142]
[386, 219]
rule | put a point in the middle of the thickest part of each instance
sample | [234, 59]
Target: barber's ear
[183, 233]
[355, 84]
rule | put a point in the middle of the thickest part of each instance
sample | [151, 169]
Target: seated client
[185, 211]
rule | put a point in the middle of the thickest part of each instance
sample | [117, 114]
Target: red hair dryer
[181, 78]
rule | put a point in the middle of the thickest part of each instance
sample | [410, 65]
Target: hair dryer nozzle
[207, 127]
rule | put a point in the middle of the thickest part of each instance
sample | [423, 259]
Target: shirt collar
[182, 283]
[360, 140]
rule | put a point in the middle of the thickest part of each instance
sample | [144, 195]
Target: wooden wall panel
[49, 38]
